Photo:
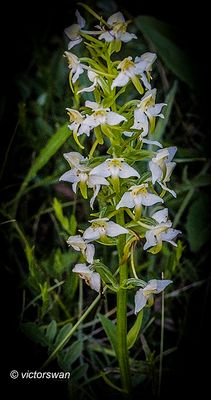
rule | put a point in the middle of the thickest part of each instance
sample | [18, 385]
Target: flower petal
[92, 104]
[101, 170]
[95, 281]
[89, 252]
[76, 242]
[161, 215]
[160, 285]
[73, 43]
[126, 171]
[69, 176]
[113, 118]
[126, 37]
[95, 193]
[151, 240]
[140, 300]
[126, 201]
[113, 229]
[150, 142]
[91, 234]
[170, 234]
[81, 269]
[151, 199]
[156, 171]
[116, 18]
[81, 21]
[120, 81]
[171, 151]
[73, 158]
[106, 36]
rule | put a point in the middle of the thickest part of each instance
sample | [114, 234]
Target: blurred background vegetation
[36, 268]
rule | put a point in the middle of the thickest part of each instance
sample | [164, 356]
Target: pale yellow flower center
[99, 114]
[75, 116]
[99, 224]
[126, 64]
[137, 191]
[146, 103]
[115, 163]
[120, 27]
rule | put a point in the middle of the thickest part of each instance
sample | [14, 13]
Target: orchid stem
[122, 351]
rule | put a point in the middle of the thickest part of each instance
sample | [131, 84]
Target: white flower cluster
[131, 125]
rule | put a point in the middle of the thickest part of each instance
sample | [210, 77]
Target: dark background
[22, 27]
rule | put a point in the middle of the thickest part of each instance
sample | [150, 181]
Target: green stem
[122, 314]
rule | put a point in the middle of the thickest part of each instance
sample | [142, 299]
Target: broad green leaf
[51, 147]
[174, 58]
[51, 331]
[73, 353]
[198, 222]
[63, 333]
[134, 331]
[32, 331]
[110, 330]
[79, 372]
[163, 122]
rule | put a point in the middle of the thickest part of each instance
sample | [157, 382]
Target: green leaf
[44, 289]
[106, 275]
[134, 331]
[32, 331]
[63, 333]
[73, 353]
[73, 224]
[110, 330]
[174, 58]
[79, 372]
[57, 206]
[51, 147]
[163, 122]
[198, 222]
[51, 331]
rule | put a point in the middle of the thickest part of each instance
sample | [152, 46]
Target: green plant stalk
[122, 351]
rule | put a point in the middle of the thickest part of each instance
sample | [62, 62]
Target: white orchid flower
[133, 70]
[78, 123]
[118, 29]
[102, 227]
[138, 196]
[114, 167]
[75, 31]
[162, 232]
[81, 175]
[154, 286]
[102, 116]
[79, 244]
[93, 77]
[91, 278]
[76, 68]
[145, 62]
[161, 167]
[145, 114]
